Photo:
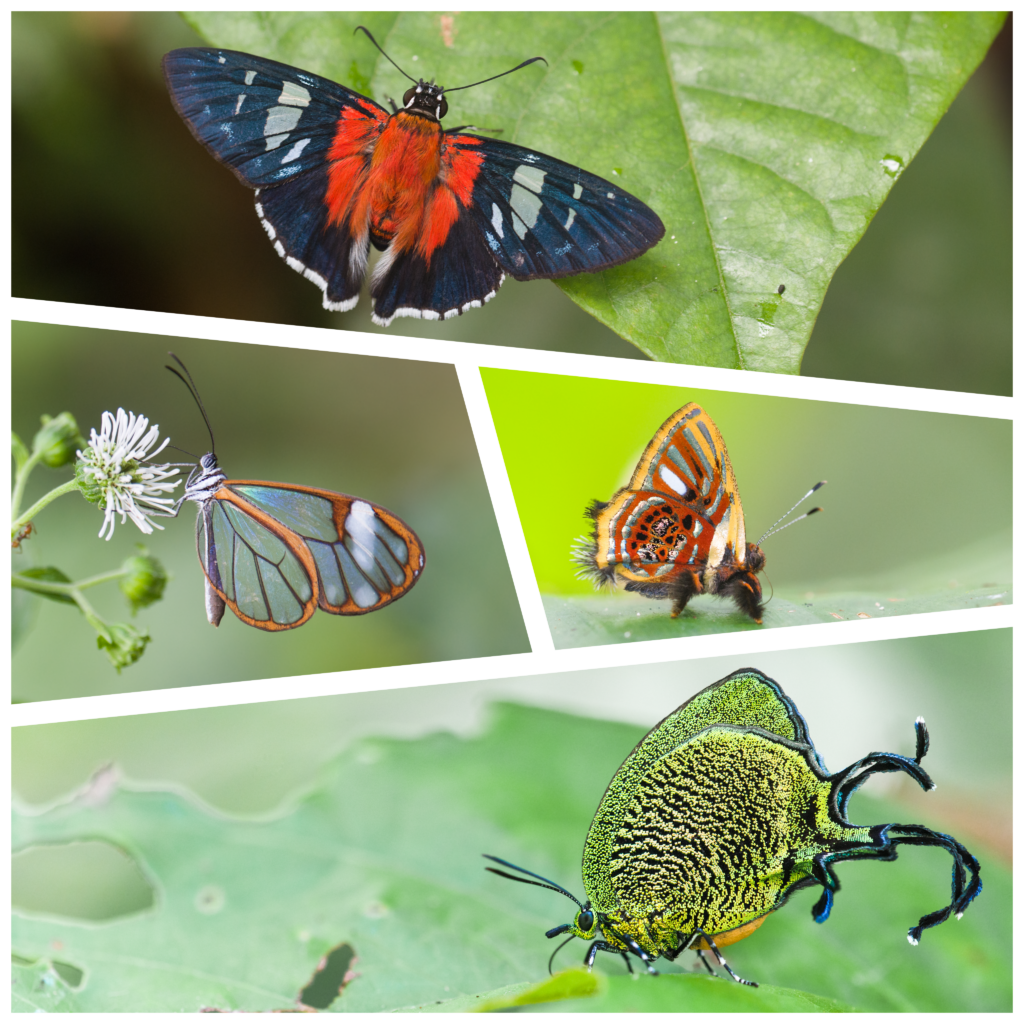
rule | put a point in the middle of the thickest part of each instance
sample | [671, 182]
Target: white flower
[114, 472]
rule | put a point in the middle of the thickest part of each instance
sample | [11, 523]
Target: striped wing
[681, 509]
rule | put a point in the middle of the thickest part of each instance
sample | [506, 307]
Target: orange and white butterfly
[676, 530]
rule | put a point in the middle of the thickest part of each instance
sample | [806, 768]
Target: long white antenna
[772, 529]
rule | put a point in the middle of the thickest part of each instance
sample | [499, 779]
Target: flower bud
[58, 439]
[125, 646]
[144, 581]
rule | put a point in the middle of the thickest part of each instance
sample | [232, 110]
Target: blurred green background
[115, 204]
[392, 431]
[249, 758]
[891, 516]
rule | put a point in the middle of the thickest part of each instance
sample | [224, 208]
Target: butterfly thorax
[204, 481]
[650, 935]
[728, 563]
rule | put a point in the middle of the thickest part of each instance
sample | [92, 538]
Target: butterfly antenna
[532, 60]
[772, 529]
[194, 391]
[360, 28]
[544, 883]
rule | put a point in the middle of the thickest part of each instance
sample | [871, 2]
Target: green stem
[20, 479]
[104, 577]
[31, 514]
[70, 590]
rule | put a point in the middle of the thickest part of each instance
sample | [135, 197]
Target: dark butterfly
[453, 212]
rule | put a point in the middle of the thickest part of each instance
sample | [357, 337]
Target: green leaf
[37, 986]
[620, 617]
[49, 574]
[383, 853]
[581, 991]
[765, 141]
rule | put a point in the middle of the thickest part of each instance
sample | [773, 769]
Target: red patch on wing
[356, 134]
[442, 213]
[460, 167]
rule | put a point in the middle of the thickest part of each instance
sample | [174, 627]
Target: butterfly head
[426, 98]
[755, 558]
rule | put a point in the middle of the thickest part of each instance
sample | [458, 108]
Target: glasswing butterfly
[273, 553]
[676, 529]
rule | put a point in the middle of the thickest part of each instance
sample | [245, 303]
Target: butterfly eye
[585, 921]
[409, 93]
[444, 108]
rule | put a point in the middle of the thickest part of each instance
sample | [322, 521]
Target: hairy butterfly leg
[598, 946]
[682, 589]
[703, 936]
[743, 587]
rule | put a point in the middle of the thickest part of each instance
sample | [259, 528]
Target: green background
[392, 431]
[361, 818]
[115, 204]
[891, 517]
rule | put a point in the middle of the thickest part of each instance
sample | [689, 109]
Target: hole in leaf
[70, 974]
[333, 973]
[92, 880]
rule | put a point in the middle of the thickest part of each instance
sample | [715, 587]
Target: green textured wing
[745, 699]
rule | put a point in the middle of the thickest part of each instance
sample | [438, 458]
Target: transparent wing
[264, 573]
[364, 555]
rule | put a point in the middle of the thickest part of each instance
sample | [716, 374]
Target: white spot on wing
[530, 177]
[362, 510]
[611, 195]
[250, 76]
[267, 226]
[428, 314]
[571, 218]
[527, 206]
[241, 100]
[222, 60]
[716, 552]
[280, 121]
[279, 249]
[577, 191]
[293, 95]
[672, 480]
[295, 152]
[496, 219]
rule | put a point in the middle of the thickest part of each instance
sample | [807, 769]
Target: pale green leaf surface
[37, 988]
[384, 853]
[621, 617]
[670, 993]
[765, 141]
